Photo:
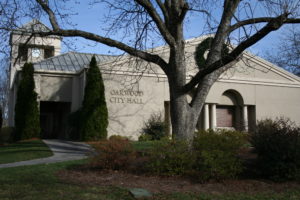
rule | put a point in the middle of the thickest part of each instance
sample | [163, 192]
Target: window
[48, 52]
[23, 53]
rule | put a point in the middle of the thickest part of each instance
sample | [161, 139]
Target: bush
[212, 155]
[27, 116]
[94, 120]
[74, 121]
[154, 128]
[145, 137]
[216, 154]
[1, 118]
[6, 134]
[113, 154]
[277, 144]
[118, 137]
[170, 157]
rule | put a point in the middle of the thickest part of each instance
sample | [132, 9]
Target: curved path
[62, 150]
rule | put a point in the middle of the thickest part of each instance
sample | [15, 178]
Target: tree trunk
[183, 116]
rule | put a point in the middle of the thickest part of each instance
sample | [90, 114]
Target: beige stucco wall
[55, 89]
[245, 90]
[131, 105]
[272, 102]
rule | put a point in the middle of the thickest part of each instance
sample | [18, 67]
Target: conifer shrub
[94, 114]
[113, 154]
[74, 121]
[153, 128]
[216, 154]
[27, 117]
[1, 118]
[277, 144]
[6, 135]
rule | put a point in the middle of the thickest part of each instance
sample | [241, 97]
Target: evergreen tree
[1, 118]
[94, 111]
[27, 119]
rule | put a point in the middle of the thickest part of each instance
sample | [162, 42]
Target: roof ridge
[92, 53]
[46, 59]
[31, 24]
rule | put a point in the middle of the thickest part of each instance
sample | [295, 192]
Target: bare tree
[288, 52]
[4, 89]
[242, 23]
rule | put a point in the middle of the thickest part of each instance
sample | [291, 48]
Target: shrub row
[212, 154]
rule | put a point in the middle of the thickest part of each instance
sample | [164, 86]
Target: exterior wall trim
[260, 82]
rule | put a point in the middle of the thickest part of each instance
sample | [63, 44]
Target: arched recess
[229, 110]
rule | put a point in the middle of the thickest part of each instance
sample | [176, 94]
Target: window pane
[23, 52]
[49, 52]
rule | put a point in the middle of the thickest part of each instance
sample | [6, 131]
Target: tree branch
[154, 58]
[273, 25]
[50, 13]
[158, 21]
[221, 34]
[163, 9]
[260, 20]
[185, 9]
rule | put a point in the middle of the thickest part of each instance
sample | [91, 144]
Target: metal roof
[70, 62]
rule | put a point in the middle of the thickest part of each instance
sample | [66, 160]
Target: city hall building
[251, 90]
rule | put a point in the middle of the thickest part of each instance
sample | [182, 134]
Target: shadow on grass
[22, 151]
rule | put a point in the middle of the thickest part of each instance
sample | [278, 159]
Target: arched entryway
[229, 112]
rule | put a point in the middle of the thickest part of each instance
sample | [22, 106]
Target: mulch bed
[87, 175]
[158, 184]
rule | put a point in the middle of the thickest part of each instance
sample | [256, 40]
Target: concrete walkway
[62, 150]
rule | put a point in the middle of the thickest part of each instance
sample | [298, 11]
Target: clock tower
[26, 47]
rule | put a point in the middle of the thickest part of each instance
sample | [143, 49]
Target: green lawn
[39, 182]
[24, 151]
[144, 145]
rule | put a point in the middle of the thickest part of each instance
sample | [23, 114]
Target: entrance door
[225, 116]
[53, 117]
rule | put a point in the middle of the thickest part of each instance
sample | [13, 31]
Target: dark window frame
[48, 51]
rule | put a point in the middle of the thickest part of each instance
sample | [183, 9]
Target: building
[251, 90]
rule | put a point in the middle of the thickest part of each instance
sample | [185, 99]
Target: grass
[144, 145]
[40, 182]
[26, 150]
[288, 195]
